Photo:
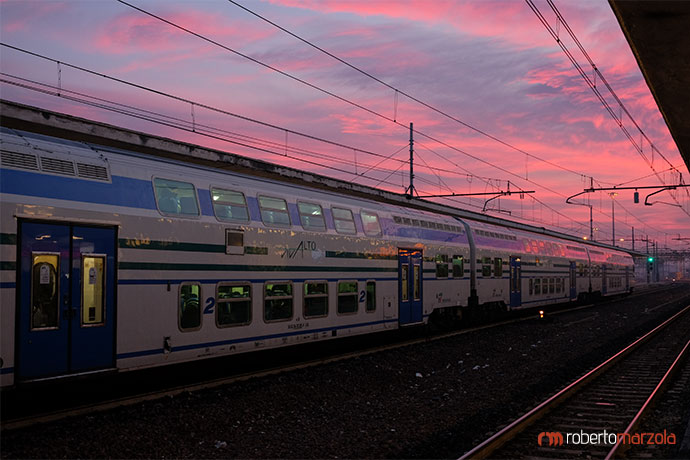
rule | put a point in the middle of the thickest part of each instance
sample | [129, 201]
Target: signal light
[650, 259]
[636, 197]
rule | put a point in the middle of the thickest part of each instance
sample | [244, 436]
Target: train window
[189, 315]
[92, 290]
[344, 221]
[486, 266]
[371, 223]
[274, 211]
[416, 282]
[371, 296]
[425, 223]
[397, 219]
[559, 282]
[311, 216]
[552, 285]
[458, 267]
[407, 221]
[537, 286]
[315, 299]
[347, 297]
[403, 282]
[229, 206]
[531, 286]
[277, 301]
[44, 291]
[498, 267]
[441, 266]
[233, 304]
[176, 197]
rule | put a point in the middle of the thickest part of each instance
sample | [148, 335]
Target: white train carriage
[113, 259]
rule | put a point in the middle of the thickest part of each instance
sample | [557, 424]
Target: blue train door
[515, 282]
[604, 286]
[573, 280]
[66, 321]
[410, 286]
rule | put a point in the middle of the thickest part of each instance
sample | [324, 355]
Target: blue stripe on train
[135, 354]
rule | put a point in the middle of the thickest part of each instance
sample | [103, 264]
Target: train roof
[75, 131]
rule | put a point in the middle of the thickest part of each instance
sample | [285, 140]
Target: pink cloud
[136, 32]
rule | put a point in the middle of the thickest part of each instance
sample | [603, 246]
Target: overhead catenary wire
[313, 86]
[595, 90]
[398, 91]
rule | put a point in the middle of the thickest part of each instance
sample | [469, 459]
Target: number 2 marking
[362, 296]
[210, 303]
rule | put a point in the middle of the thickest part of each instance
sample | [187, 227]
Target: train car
[118, 260]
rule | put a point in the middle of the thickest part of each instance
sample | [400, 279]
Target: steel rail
[619, 446]
[487, 447]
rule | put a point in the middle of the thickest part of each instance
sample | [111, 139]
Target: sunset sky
[489, 64]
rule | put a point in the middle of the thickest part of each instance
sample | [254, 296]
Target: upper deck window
[371, 223]
[311, 216]
[229, 205]
[274, 211]
[176, 197]
[344, 221]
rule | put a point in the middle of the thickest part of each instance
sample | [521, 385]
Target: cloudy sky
[520, 110]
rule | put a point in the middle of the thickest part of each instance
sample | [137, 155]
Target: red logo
[555, 438]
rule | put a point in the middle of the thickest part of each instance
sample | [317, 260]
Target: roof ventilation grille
[19, 160]
[58, 166]
[90, 171]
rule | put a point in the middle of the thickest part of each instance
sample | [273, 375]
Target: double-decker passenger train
[118, 259]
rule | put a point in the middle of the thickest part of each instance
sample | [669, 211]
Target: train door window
[498, 267]
[344, 221]
[233, 304]
[404, 276]
[441, 266]
[44, 291]
[417, 280]
[371, 296]
[537, 286]
[311, 216]
[531, 286]
[277, 301]
[486, 267]
[315, 299]
[229, 206]
[176, 197]
[189, 316]
[458, 268]
[552, 285]
[371, 224]
[558, 285]
[347, 297]
[274, 211]
[92, 290]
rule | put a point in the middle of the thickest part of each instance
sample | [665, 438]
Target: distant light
[585, 238]
[622, 239]
[541, 314]
[650, 259]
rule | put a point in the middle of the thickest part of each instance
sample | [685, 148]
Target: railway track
[171, 391]
[611, 399]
